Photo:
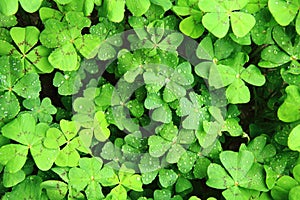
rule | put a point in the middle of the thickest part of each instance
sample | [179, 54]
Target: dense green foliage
[149, 99]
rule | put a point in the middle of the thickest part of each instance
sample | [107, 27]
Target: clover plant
[149, 99]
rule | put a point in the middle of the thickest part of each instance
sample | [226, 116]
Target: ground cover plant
[150, 99]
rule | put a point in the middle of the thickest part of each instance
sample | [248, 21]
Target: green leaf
[49, 13]
[30, 187]
[67, 84]
[182, 185]
[241, 23]
[114, 9]
[25, 38]
[12, 179]
[64, 58]
[191, 26]
[221, 76]
[7, 21]
[29, 86]
[253, 76]
[13, 164]
[101, 131]
[87, 45]
[294, 193]
[158, 146]
[237, 164]
[138, 8]
[167, 177]
[283, 11]
[238, 92]
[289, 111]
[55, 189]
[218, 177]
[9, 105]
[9, 7]
[294, 138]
[216, 23]
[41, 110]
[68, 156]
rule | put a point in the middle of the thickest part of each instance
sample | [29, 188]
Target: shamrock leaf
[134, 64]
[289, 110]
[240, 168]
[149, 167]
[34, 59]
[30, 187]
[120, 106]
[194, 109]
[293, 139]
[218, 14]
[87, 177]
[234, 77]
[40, 110]
[139, 7]
[167, 177]
[260, 149]
[7, 21]
[173, 80]
[125, 180]
[154, 38]
[110, 37]
[66, 37]
[30, 136]
[191, 25]
[114, 10]
[284, 12]
[98, 129]
[68, 83]
[11, 7]
[161, 110]
[68, 155]
[282, 53]
[170, 141]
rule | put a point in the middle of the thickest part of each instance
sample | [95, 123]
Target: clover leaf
[170, 141]
[260, 149]
[7, 21]
[149, 167]
[134, 64]
[68, 83]
[68, 155]
[191, 25]
[11, 7]
[139, 7]
[282, 53]
[233, 77]
[173, 80]
[218, 14]
[194, 109]
[284, 12]
[110, 38]
[161, 111]
[154, 37]
[98, 129]
[167, 177]
[293, 139]
[34, 59]
[238, 179]
[65, 36]
[30, 187]
[120, 105]
[85, 6]
[87, 177]
[41, 110]
[114, 10]
[30, 136]
[289, 111]
[125, 180]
